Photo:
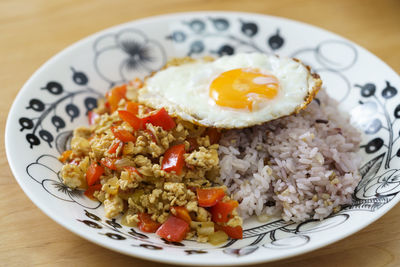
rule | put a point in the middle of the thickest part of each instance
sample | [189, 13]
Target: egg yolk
[242, 88]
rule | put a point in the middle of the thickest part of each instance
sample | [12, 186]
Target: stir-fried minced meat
[127, 167]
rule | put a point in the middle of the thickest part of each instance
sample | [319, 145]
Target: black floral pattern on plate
[331, 68]
[46, 172]
[200, 33]
[56, 111]
[130, 52]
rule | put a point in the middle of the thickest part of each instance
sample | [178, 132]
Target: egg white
[184, 90]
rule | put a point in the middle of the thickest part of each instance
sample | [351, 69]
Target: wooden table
[32, 31]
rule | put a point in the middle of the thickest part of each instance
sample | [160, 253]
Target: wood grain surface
[32, 31]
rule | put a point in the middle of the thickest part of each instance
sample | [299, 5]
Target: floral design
[214, 36]
[319, 57]
[384, 185]
[46, 171]
[130, 52]
[34, 125]
[380, 182]
[387, 183]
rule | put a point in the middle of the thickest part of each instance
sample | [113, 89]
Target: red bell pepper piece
[114, 146]
[182, 213]
[109, 163]
[92, 116]
[222, 211]
[132, 107]
[93, 173]
[91, 189]
[123, 135]
[173, 229]
[173, 159]
[214, 135]
[146, 224]
[160, 118]
[115, 95]
[131, 118]
[208, 197]
[233, 232]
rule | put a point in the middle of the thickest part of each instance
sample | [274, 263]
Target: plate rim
[150, 255]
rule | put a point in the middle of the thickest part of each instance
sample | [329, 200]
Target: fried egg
[234, 91]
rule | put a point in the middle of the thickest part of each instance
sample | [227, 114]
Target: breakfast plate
[57, 98]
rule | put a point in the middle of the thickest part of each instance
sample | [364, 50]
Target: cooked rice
[298, 167]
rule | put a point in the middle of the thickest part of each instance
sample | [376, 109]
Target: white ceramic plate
[56, 98]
